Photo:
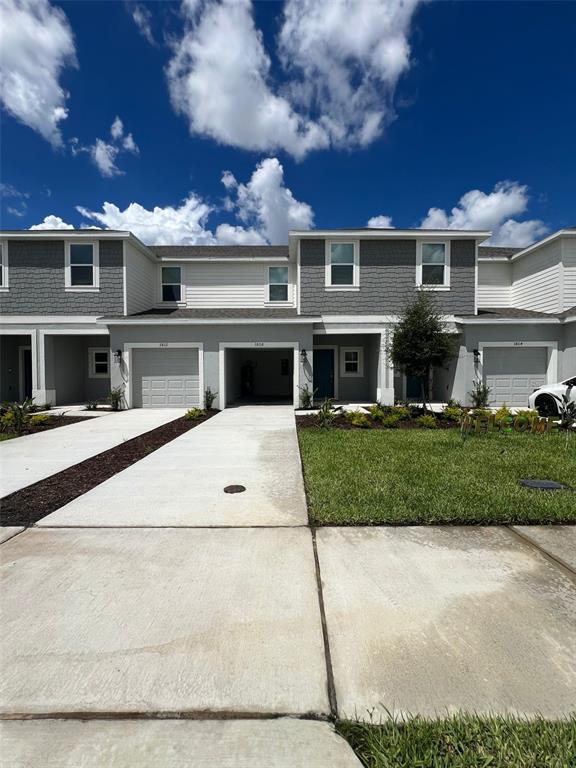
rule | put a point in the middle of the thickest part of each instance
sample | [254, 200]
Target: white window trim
[446, 285]
[95, 268]
[283, 303]
[4, 267]
[182, 301]
[92, 363]
[355, 286]
[348, 374]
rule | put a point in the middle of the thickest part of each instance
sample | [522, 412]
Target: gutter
[299, 320]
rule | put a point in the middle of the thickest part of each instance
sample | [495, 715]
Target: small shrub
[480, 394]
[194, 413]
[326, 413]
[503, 413]
[39, 420]
[427, 421]
[306, 396]
[92, 405]
[209, 398]
[480, 413]
[358, 419]
[401, 411]
[378, 412]
[529, 415]
[453, 404]
[17, 416]
[452, 413]
[115, 398]
[391, 421]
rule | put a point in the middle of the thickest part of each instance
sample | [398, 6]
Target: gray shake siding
[387, 279]
[36, 279]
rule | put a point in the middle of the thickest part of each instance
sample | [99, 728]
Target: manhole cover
[543, 485]
[234, 489]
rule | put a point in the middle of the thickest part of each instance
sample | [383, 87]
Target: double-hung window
[277, 283]
[433, 265]
[342, 269]
[3, 267]
[98, 363]
[171, 284]
[82, 266]
[351, 361]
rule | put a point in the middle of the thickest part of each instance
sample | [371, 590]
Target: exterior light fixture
[304, 356]
[117, 356]
[476, 353]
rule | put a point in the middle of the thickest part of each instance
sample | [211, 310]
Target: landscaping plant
[452, 413]
[358, 419]
[39, 420]
[479, 395]
[115, 398]
[401, 412]
[16, 416]
[194, 413]
[209, 398]
[391, 421]
[421, 341]
[306, 396]
[326, 413]
[427, 421]
[92, 405]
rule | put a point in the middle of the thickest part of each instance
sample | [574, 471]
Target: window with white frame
[171, 284]
[277, 283]
[3, 267]
[342, 265]
[82, 267]
[433, 265]
[351, 361]
[98, 363]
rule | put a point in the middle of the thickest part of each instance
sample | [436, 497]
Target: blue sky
[323, 113]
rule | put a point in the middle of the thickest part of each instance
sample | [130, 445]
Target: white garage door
[165, 378]
[512, 373]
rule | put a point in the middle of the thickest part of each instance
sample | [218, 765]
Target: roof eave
[413, 234]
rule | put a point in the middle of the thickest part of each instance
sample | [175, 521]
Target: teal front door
[323, 373]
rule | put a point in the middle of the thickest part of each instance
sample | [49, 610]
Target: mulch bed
[30, 504]
[53, 423]
[340, 422]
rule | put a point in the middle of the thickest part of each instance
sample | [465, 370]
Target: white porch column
[43, 389]
[385, 385]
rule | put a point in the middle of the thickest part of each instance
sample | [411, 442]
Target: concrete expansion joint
[544, 552]
[181, 715]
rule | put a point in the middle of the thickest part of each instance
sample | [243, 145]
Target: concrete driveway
[28, 459]
[182, 483]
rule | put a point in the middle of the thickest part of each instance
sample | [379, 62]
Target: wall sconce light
[304, 356]
[476, 353]
[118, 356]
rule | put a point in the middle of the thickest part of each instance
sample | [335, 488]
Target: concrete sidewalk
[28, 459]
[182, 483]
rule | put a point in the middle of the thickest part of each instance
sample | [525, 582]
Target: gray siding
[387, 279]
[36, 278]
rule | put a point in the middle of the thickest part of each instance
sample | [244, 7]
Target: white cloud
[52, 222]
[380, 222]
[264, 210]
[341, 75]
[36, 44]
[104, 153]
[143, 20]
[481, 210]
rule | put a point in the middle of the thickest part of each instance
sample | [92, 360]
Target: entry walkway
[182, 483]
[26, 460]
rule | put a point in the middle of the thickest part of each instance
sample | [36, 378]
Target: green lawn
[464, 742]
[425, 477]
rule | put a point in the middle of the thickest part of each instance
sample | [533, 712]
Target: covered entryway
[257, 374]
[15, 367]
[512, 373]
[166, 378]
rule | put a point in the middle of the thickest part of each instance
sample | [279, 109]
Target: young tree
[421, 341]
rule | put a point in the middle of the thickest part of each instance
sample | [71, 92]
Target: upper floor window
[171, 284]
[3, 267]
[278, 283]
[342, 269]
[433, 265]
[82, 266]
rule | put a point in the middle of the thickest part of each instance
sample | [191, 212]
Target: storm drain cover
[234, 489]
[543, 485]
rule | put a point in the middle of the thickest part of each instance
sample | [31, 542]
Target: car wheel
[546, 406]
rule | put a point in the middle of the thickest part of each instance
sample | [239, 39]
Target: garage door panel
[166, 378]
[513, 373]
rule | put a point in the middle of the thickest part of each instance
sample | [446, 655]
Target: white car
[547, 398]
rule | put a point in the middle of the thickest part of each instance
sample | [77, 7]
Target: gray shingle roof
[497, 250]
[225, 313]
[510, 312]
[220, 251]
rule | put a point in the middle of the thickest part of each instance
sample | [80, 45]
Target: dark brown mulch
[30, 504]
[54, 421]
[305, 422]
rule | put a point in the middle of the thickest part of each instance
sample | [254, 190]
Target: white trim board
[127, 356]
[552, 362]
[224, 345]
